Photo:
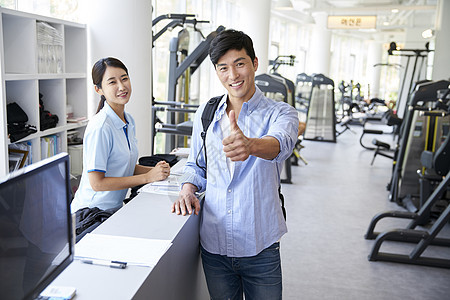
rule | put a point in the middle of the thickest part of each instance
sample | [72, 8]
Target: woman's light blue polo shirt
[109, 146]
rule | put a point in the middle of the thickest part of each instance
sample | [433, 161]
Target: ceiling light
[283, 5]
[428, 34]
[385, 23]
[394, 10]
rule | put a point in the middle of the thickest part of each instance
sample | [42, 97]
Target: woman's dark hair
[98, 71]
[227, 40]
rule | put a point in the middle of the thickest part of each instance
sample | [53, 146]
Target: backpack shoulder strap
[208, 113]
[282, 202]
[207, 117]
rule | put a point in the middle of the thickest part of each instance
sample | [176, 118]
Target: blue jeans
[258, 277]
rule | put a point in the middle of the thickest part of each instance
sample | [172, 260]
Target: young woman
[110, 147]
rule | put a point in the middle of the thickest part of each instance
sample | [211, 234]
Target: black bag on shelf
[18, 131]
[17, 127]
[46, 118]
[15, 114]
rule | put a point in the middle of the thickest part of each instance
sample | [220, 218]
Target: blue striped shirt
[241, 215]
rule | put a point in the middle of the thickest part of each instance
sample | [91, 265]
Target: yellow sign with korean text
[352, 22]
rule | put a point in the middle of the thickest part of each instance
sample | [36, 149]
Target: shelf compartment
[76, 92]
[50, 44]
[24, 93]
[75, 39]
[54, 98]
[19, 43]
[52, 144]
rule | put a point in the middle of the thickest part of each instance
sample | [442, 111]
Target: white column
[374, 56]
[319, 51]
[255, 21]
[124, 30]
[441, 65]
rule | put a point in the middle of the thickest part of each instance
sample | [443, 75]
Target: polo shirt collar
[118, 123]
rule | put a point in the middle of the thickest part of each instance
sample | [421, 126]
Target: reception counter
[178, 274]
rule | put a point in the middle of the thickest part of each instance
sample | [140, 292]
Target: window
[62, 9]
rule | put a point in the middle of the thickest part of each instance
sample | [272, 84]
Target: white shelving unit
[21, 82]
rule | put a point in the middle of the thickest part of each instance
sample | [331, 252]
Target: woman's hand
[159, 172]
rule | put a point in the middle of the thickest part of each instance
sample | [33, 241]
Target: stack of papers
[181, 152]
[133, 251]
[178, 168]
[169, 186]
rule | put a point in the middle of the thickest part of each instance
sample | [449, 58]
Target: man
[247, 142]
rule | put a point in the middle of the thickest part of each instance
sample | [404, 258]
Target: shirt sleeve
[284, 127]
[97, 148]
[193, 173]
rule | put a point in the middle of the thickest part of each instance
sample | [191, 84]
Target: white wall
[122, 29]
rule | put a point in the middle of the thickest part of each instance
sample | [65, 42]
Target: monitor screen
[35, 227]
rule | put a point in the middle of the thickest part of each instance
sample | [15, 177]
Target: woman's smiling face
[116, 86]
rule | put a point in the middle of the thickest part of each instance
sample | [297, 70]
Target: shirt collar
[118, 123]
[254, 101]
[248, 106]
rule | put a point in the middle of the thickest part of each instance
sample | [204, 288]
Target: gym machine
[182, 65]
[416, 54]
[288, 60]
[321, 117]
[380, 147]
[350, 104]
[177, 20]
[422, 239]
[412, 141]
[389, 117]
[303, 91]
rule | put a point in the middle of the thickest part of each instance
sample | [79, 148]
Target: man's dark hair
[227, 40]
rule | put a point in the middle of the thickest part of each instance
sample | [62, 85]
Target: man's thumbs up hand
[236, 146]
[233, 122]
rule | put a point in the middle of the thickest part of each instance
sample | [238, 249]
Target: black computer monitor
[35, 227]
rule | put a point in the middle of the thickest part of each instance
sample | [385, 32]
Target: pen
[112, 264]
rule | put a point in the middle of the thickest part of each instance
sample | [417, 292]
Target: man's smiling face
[236, 72]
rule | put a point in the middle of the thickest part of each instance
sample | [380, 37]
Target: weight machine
[439, 162]
[396, 119]
[412, 142]
[182, 65]
[303, 92]
[321, 118]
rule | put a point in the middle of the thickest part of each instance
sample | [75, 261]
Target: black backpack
[47, 119]
[207, 116]
[17, 119]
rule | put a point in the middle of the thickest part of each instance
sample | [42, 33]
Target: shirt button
[229, 191]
